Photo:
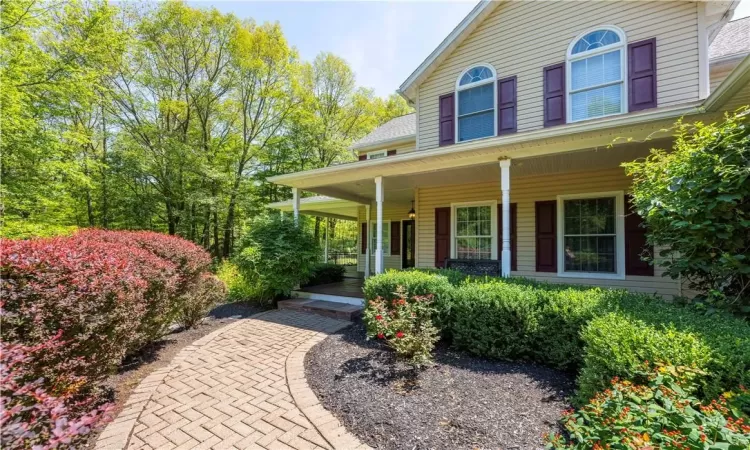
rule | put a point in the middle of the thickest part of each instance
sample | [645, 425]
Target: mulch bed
[460, 402]
[160, 353]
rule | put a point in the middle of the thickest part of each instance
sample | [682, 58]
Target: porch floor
[349, 287]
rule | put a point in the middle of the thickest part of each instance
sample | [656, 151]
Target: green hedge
[600, 333]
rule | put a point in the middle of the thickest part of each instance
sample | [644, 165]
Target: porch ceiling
[400, 188]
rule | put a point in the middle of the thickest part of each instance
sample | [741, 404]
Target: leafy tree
[696, 203]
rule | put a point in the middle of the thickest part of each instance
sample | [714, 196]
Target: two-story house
[524, 114]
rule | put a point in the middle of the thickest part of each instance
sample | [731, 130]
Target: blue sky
[382, 41]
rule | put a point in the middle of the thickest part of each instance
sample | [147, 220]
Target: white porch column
[367, 241]
[379, 235]
[325, 251]
[505, 187]
[295, 204]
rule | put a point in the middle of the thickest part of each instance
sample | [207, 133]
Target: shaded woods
[163, 117]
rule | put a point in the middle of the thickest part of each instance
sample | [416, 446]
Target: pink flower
[378, 317]
[381, 336]
[399, 334]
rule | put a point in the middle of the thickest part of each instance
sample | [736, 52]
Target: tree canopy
[163, 117]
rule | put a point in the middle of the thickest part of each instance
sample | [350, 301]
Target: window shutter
[506, 105]
[363, 157]
[396, 237]
[442, 235]
[447, 116]
[363, 238]
[635, 243]
[642, 75]
[513, 234]
[554, 95]
[546, 236]
[391, 152]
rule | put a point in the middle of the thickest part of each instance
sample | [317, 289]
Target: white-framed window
[474, 230]
[596, 68]
[591, 238]
[386, 237]
[378, 154]
[476, 113]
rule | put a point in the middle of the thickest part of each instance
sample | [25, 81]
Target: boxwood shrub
[600, 333]
[324, 273]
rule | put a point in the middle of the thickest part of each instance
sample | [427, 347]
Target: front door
[407, 244]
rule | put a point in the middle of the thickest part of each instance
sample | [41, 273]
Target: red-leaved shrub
[98, 294]
[32, 413]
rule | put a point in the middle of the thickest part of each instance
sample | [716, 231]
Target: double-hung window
[592, 235]
[473, 232]
[386, 237]
[596, 80]
[475, 103]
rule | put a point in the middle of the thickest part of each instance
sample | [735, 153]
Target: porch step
[336, 310]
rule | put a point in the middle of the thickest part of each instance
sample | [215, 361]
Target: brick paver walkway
[242, 386]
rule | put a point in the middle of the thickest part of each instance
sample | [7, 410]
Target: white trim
[704, 81]
[493, 210]
[416, 227]
[465, 87]
[619, 273]
[377, 145]
[416, 120]
[380, 153]
[570, 58]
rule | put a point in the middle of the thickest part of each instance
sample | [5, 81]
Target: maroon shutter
[635, 243]
[447, 115]
[513, 234]
[642, 75]
[391, 152]
[442, 235]
[554, 95]
[546, 236]
[506, 105]
[364, 238]
[363, 156]
[396, 237]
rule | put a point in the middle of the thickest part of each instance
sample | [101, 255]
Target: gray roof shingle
[733, 39]
[397, 128]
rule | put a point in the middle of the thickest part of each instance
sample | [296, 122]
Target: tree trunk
[105, 199]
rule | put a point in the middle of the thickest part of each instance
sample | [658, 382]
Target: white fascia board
[383, 144]
[639, 118]
[736, 80]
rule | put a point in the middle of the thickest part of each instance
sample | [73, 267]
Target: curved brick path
[242, 386]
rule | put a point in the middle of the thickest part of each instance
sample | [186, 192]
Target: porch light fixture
[412, 214]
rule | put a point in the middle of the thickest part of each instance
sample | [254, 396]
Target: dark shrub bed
[77, 305]
[599, 333]
[326, 273]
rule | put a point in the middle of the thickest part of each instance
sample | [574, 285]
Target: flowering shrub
[405, 324]
[661, 413]
[33, 415]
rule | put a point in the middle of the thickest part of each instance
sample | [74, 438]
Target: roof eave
[378, 145]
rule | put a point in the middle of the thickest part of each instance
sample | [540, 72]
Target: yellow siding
[520, 38]
[391, 212]
[525, 192]
[719, 73]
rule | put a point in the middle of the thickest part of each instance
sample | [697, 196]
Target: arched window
[596, 84]
[475, 103]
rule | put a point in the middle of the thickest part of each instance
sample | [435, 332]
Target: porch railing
[342, 259]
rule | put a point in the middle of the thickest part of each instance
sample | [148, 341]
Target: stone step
[325, 308]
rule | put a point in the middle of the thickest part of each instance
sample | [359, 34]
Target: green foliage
[207, 292]
[324, 273]
[276, 255]
[238, 288]
[696, 203]
[405, 324]
[656, 412]
[22, 229]
[107, 124]
[601, 333]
